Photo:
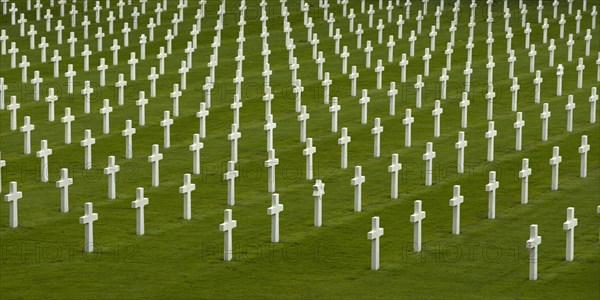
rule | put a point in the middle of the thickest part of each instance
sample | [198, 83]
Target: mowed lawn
[44, 258]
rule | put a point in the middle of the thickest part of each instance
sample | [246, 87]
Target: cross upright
[491, 188]
[270, 164]
[233, 137]
[344, 140]
[111, 170]
[43, 155]
[374, 235]
[417, 218]
[26, 129]
[87, 143]
[139, 203]
[12, 198]
[274, 211]
[227, 227]
[230, 176]
[532, 244]
[88, 220]
[428, 158]
[555, 162]
[357, 182]
[524, 174]
[394, 168]
[63, 184]
[186, 189]
[195, 147]
[128, 133]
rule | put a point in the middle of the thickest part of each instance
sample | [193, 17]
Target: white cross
[88, 219]
[524, 174]
[13, 54]
[417, 218]
[428, 158]
[56, 60]
[374, 235]
[583, 150]
[593, 98]
[532, 244]
[153, 77]
[326, 83]
[195, 147]
[207, 87]
[555, 162]
[376, 131]
[121, 84]
[353, 77]
[570, 44]
[227, 227]
[230, 176]
[491, 189]
[105, 112]
[63, 184]
[111, 170]
[407, 121]
[580, 67]
[111, 19]
[551, 49]
[379, 70]
[12, 198]
[67, 119]
[490, 135]
[569, 108]
[303, 119]
[32, 33]
[233, 137]
[455, 202]
[87, 143]
[394, 168]
[132, 62]
[426, 58]
[128, 133]
[125, 31]
[364, 101]
[437, 114]
[86, 53]
[274, 211]
[270, 164]
[183, 71]
[345, 54]
[357, 182]
[27, 128]
[43, 155]
[24, 64]
[175, 96]
[72, 40]
[269, 128]
[70, 74]
[419, 87]
[99, 35]
[344, 140]
[115, 49]
[308, 152]
[569, 227]
[186, 189]
[139, 203]
[166, 124]
[545, 116]
[102, 67]
[460, 146]
[467, 72]
[141, 103]
[443, 79]
[202, 114]
[35, 81]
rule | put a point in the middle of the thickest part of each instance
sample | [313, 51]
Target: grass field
[44, 258]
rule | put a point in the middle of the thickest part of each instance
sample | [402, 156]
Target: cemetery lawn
[44, 258]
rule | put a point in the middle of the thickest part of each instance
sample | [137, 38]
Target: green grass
[43, 257]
